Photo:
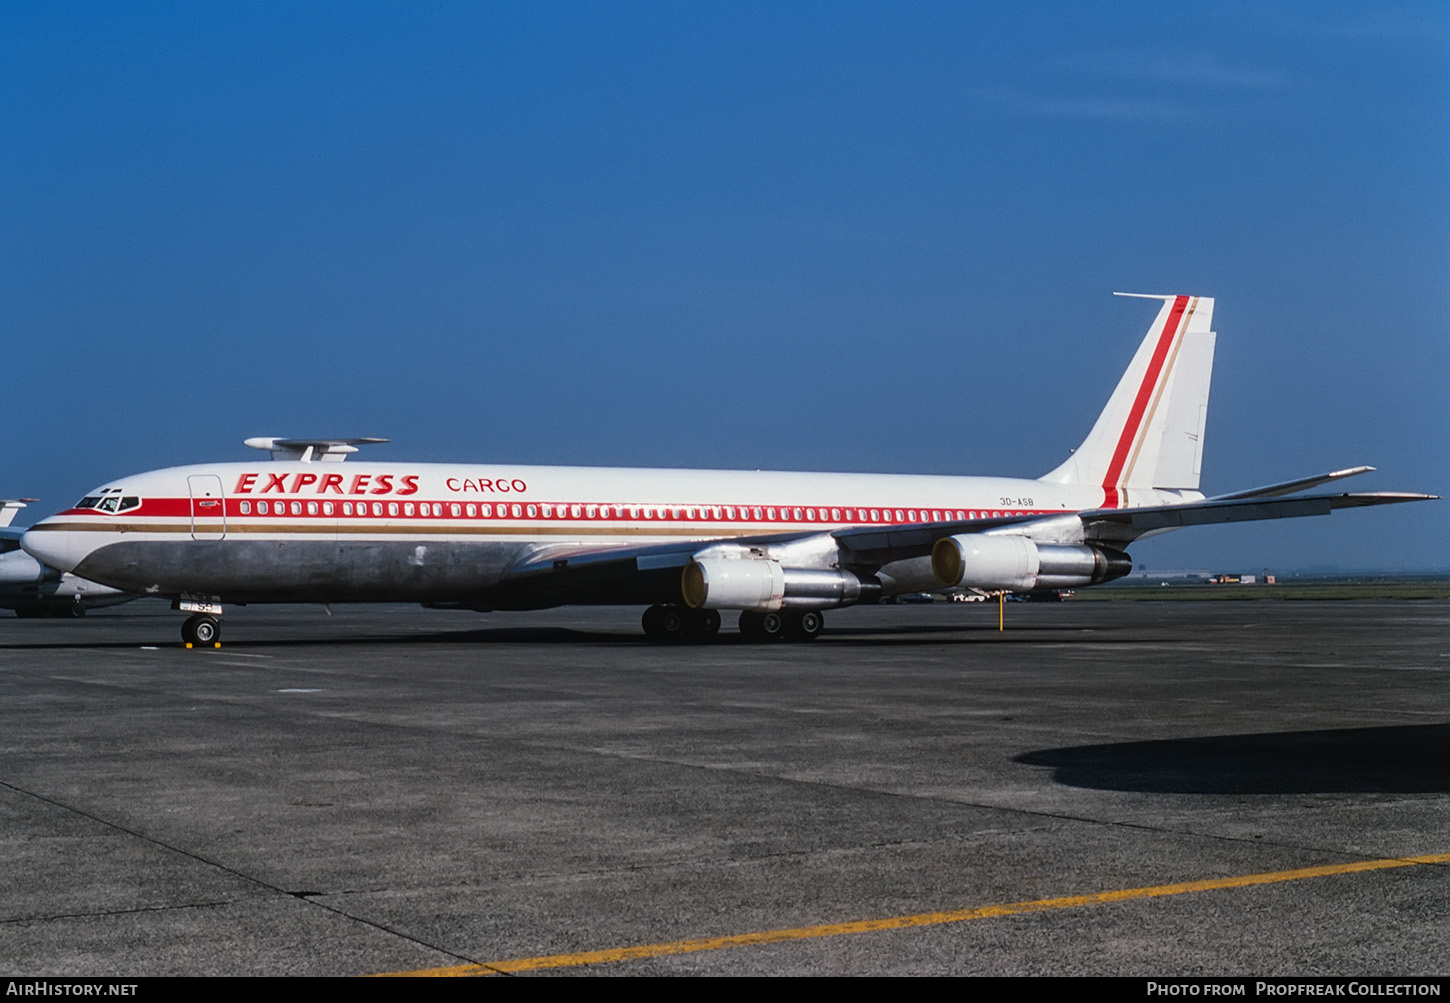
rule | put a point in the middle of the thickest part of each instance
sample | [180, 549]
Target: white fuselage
[328, 531]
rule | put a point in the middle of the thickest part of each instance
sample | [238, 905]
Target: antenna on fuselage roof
[307, 450]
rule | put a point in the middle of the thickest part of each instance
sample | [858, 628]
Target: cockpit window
[109, 502]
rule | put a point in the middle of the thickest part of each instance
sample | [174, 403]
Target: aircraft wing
[622, 575]
[10, 538]
[1119, 526]
[863, 542]
[632, 574]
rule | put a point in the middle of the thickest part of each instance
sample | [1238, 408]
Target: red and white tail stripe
[1150, 435]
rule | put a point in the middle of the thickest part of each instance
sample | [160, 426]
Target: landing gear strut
[202, 629]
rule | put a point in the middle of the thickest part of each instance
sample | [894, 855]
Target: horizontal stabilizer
[1289, 487]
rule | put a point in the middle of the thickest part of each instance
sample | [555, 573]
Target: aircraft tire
[805, 625]
[701, 624]
[762, 626]
[75, 610]
[201, 628]
[664, 623]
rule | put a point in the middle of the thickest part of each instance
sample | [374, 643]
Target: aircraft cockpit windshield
[110, 500]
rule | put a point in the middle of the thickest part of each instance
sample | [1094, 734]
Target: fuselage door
[208, 508]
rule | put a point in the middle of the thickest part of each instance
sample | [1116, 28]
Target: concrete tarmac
[393, 789]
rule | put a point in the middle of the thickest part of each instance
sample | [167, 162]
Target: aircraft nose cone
[51, 546]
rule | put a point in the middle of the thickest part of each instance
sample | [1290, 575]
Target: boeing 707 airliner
[777, 547]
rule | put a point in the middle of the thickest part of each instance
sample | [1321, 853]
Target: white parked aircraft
[33, 589]
[778, 547]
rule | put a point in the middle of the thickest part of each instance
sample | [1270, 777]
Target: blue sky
[874, 237]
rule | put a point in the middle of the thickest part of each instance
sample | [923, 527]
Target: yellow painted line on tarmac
[617, 954]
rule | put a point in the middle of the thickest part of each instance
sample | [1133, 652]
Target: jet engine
[1019, 564]
[763, 585]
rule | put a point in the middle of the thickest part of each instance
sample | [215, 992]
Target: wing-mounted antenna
[307, 450]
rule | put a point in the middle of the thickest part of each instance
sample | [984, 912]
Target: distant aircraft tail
[10, 507]
[1151, 433]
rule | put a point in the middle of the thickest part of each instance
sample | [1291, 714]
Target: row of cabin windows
[517, 510]
[424, 509]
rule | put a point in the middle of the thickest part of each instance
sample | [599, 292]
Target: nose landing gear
[202, 630]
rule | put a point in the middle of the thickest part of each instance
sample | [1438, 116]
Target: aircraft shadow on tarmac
[1405, 759]
[497, 635]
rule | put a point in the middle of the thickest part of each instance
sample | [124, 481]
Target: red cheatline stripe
[605, 513]
[1140, 403]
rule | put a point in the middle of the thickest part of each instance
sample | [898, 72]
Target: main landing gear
[202, 629]
[785, 625]
[681, 623]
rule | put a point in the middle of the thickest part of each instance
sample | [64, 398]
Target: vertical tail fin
[10, 507]
[1151, 433]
